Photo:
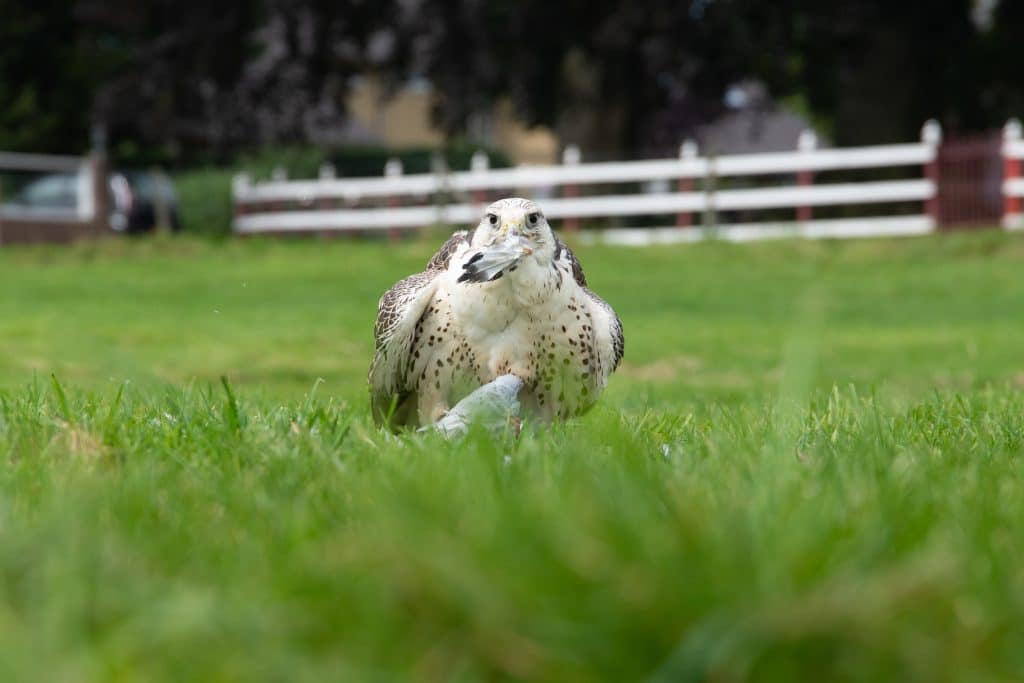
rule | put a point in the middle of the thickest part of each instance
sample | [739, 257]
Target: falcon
[502, 316]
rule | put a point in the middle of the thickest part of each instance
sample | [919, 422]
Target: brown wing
[394, 305]
[562, 252]
[401, 307]
[443, 257]
[615, 336]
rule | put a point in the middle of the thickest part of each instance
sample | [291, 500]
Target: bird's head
[516, 217]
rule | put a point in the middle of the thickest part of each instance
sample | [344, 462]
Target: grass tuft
[809, 467]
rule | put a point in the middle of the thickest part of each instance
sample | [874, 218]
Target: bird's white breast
[534, 323]
[502, 319]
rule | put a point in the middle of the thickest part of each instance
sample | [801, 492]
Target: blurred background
[808, 465]
[182, 95]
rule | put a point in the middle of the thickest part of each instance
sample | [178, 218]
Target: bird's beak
[511, 229]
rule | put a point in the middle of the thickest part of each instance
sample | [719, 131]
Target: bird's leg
[495, 405]
[432, 405]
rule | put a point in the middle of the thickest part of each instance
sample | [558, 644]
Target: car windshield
[150, 186]
[57, 190]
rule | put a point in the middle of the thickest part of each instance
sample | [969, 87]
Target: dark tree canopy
[605, 73]
[179, 77]
[626, 77]
[187, 80]
[45, 89]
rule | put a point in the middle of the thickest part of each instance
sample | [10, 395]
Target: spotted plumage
[507, 297]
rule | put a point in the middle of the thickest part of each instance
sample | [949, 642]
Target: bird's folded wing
[611, 343]
[398, 312]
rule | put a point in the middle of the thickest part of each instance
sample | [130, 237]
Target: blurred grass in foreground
[808, 468]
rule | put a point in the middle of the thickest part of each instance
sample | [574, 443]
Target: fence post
[279, 174]
[709, 218]
[687, 152]
[805, 144]
[443, 193]
[326, 173]
[85, 208]
[479, 163]
[931, 135]
[161, 206]
[97, 170]
[1011, 172]
[393, 169]
[240, 185]
[94, 174]
[571, 157]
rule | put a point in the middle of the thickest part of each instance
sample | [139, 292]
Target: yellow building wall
[404, 120]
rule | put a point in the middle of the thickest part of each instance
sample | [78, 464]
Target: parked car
[136, 199]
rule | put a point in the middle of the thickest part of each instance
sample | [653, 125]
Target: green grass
[809, 467]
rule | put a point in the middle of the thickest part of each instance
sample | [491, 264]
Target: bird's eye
[533, 218]
[492, 219]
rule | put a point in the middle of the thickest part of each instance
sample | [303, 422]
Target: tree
[43, 81]
[182, 79]
[185, 80]
[602, 72]
[879, 69]
[622, 77]
[1002, 49]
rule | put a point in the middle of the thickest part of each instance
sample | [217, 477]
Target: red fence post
[571, 157]
[931, 135]
[1011, 171]
[393, 169]
[687, 152]
[806, 144]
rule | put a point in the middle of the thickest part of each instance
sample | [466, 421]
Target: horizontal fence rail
[584, 174]
[587, 207]
[44, 163]
[900, 226]
[397, 201]
[23, 222]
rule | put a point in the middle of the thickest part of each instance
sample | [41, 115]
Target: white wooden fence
[1013, 182]
[56, 223]
[410, 201]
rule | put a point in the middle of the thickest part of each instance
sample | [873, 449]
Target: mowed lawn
[809, 466]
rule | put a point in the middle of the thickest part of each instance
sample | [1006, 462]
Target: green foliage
[204, 200]
[297, 161]
[369, 161]
[44, 86]
[204, 193]
[191, 83]
[808, 467]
